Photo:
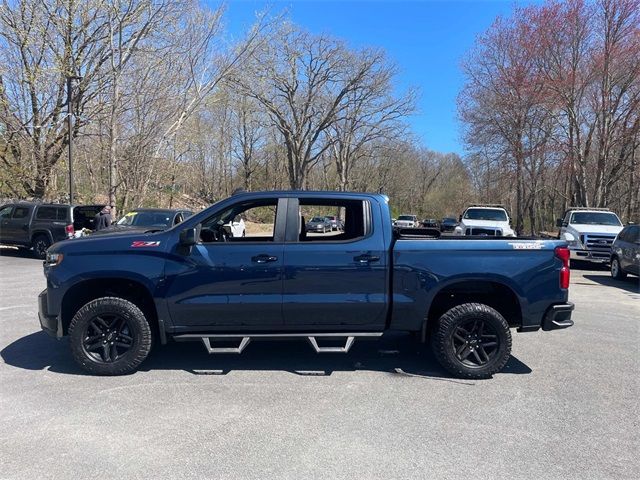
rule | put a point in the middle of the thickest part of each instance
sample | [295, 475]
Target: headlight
[53, 258]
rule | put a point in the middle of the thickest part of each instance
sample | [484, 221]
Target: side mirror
[460, 218]
[189, 237]
[559, 222]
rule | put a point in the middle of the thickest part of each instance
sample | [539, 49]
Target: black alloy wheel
[475, 343]
[107, 338]
[40, 245]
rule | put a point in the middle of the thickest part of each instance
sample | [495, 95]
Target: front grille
[483, 231]
[598, 244]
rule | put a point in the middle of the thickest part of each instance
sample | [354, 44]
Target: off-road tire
[137, 324]
[40, 243]
[616, 269]
[442, 340]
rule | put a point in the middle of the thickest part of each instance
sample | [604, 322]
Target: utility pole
[69, 133]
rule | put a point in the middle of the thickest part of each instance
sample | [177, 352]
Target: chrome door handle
[264, 258]
[365, 258]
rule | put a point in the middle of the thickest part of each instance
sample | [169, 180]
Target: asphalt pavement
[566, 405]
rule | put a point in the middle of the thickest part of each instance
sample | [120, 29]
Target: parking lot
[566, 405]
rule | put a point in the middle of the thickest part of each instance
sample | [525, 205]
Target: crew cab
[117, 295]
[485, 220]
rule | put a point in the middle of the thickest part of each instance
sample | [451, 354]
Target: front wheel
[110, 336]
[616, 269]
[40, 245]
[472, 340]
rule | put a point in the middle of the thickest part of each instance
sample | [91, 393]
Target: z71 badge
[141, 243]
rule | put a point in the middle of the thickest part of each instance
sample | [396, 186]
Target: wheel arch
[497, 294]
[82, 292]
[37, 233]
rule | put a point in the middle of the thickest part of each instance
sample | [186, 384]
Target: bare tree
[304, 82]
[371, 113]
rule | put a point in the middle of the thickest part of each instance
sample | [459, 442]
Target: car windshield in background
[493, 214]
[595, 218]
[146, 219]
[406, 217]
[448, 220]
[317, 220]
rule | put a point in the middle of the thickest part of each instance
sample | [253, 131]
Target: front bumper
[589, 256]
[558, 317]
[49, 323]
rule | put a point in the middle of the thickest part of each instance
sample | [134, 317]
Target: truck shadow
[630, 284]
[396, 354]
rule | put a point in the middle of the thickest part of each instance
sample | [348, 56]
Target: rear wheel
[472, 340]
[40, 244]
[616, 270]
[110, 336]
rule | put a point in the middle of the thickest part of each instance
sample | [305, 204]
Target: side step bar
[246, 339]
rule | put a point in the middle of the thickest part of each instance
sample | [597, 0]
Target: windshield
[317, 219]
[146, 219]
[406, 217]
[494, 214]
[595, 218]
[448, 220]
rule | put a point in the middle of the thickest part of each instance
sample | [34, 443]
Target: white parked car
[485, 220]
[407, 221]
[590, 232]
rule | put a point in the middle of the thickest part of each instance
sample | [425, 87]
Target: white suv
[485, 220]
[590, 232]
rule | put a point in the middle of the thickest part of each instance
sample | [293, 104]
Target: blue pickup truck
[117, 295]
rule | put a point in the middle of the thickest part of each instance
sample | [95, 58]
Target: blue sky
[426, 39]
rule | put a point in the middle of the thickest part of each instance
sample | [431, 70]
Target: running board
[319, 349]
[245, 339]
[243, 343]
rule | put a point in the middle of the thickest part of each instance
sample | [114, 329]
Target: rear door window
[47, 213]
[351, 214]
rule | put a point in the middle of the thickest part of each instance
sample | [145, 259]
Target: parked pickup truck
[118, 295]
[590, 232]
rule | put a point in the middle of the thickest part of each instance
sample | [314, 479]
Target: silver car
[625, 252]
[318, 224]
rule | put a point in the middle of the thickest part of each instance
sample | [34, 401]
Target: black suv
[29, 225]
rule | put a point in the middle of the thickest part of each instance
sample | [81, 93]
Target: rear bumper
[49, 323]
[558, 317]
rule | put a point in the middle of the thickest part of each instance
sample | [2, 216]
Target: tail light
[69, 230]
[563, 254]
